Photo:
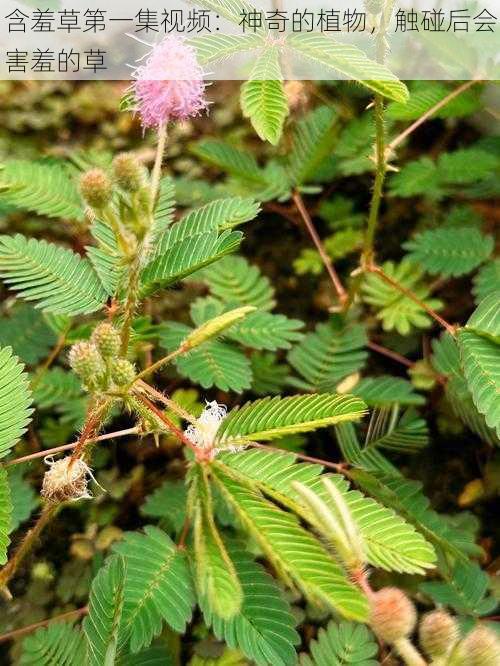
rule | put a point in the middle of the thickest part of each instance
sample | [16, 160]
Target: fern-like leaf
[235, 281]
[450, 252]
[481, 364]
[27, 332]
[102, 624]
[264, 627]
[58, 279]
[313, 142]
[59, 644]
[44, 188]
[212, 363]
[15, 401]
[386, 390]
[485, 320]
[23, 496]
[343, 644]
[270, 418]
[5, 514]
[329, 354]
[158, 586]
[187, 256]
[487, 280]
[295, 554]
[350, 62]
[216, 48]
[395, 309]
[263, 98]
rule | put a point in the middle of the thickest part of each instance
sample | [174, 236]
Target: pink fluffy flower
[169, 86]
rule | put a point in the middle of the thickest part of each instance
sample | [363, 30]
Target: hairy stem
[372, 268]
[68, 447]
[338, 467]
[408, 652]
[339, 288]
[399, 358]
[428, 114]
[378, 186]
[177, 432]
[18, 633]
[161, 362]
[27, 544]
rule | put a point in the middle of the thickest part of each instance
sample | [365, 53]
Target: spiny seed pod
[122, 371]
[129, 172]
[107, 340]
[392, 614]
[96, 188]
[66, 479]
[479, 648]
[438, 633]
[85, 360]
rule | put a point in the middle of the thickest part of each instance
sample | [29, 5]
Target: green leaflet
[158, 586]
[216, 578]
[390, 542]
[486, 317]
[23, 496]
[15, 401]
[264, 627]
[58, 279]
[102, 624]
[187, 256]
[5, 514]
[212, 363]
[333, 351]
[395, 309]
[386, 390]
[44, 187]
[314, 139]
[214, 48]
[487, 280]
[59, 643]
[341, 645]
[263, 98]
[234, 280]
[270, 418]
[295, 554]
[450, 252]
[28, 333]
[481, 364]
[350, 62]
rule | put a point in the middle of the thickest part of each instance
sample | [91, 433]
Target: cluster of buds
[97, 364]
[393, 618]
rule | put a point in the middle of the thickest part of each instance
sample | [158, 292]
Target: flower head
[202, 435]
[66, 479]
[169, 86]
[392, 614]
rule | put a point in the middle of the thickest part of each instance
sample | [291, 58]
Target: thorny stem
[67, 447]
[27, 544]
[92, 424]
[171, 404]
[177, 432]
[17, 633]
[378, 186]
[428, 114]
[341, 292]
[372, 268]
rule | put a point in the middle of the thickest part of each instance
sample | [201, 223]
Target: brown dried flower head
[66, 479]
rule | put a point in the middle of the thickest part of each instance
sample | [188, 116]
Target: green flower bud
[122, 371]
[96, 188]
[107, 340]
[392, 614]
[129, 172]
[438, 633]
[85, 360]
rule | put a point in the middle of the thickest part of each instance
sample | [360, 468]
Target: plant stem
[378, 186]
[92, 424]
[171, 404]
[27, 544]
[372, 268]
[67, 447]
[409, 653]
[163, 361]
[177, 432]
[17, 633]
[181, 544]
[156, 174]
[390, 354]
[299, 203]
[338, 467]
[428, 114]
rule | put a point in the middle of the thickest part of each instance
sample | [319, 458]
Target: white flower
[203, 433]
